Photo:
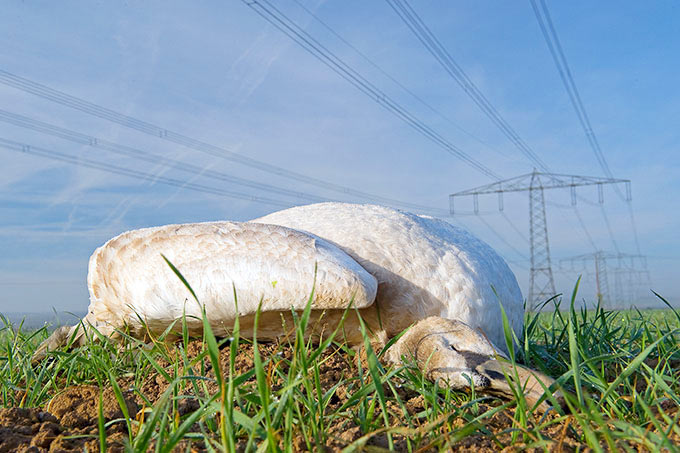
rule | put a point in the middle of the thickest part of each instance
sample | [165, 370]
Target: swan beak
[531, 383]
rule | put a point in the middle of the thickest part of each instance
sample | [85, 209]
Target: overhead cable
[585, 230]
[110, 168]
[609, 229]
[553, 42]
[287, 26]
[501, 238]
[93, 109]
[95, 142]
[394, 80]
[439, 52]
[555, 47]
[514, 227]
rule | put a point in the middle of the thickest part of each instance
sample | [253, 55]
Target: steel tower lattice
[542, 283]
[623, 266]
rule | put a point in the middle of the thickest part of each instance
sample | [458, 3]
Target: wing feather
[128, 278]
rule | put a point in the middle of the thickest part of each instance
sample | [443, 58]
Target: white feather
[424, 266]
[130, 281]
[413, 267]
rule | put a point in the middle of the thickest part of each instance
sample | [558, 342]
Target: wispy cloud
[219, 73]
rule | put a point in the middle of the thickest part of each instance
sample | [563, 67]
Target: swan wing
[129, 280]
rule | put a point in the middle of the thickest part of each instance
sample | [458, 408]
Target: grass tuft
[619, 370]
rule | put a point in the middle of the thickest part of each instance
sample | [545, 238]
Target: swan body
[424, 266]
[397, 269]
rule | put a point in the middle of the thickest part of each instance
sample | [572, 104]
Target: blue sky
[219, 73]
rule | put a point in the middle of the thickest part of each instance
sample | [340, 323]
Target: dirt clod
[78, 407]
[71, 426]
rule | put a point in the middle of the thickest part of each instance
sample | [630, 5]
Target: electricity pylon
[624, 266]
[633, 279]
[542, 283]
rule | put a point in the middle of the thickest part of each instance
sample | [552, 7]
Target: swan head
[462, 357]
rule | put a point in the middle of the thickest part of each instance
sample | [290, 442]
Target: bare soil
[69, 422]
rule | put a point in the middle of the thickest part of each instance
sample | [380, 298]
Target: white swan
[424, 266]
[398, 269]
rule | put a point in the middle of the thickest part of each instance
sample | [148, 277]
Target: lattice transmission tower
[624, 267]
[542, 283]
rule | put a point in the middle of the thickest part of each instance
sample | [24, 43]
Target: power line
[550, 35]
[42, 283]
[577, 213]
[583, 226]
[89, 163]
[514, 227]
[287, 26]
[603, 211]
[495, 232]
[609, 229]
[394, 80]
[434, 46]
[439, 52]
[553, 42]
[517, 264]
[637, 242]
[634, 225]
[502, 239]
[93, 109]
[94, 142]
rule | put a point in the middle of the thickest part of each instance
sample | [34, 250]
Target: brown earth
[69, 422]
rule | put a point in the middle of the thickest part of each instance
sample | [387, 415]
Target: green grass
[619, 370]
